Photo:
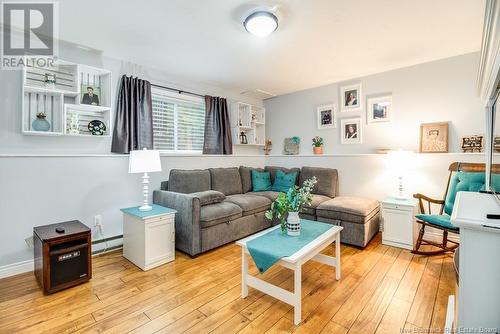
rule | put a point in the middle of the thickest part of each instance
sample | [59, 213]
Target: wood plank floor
[382, 290]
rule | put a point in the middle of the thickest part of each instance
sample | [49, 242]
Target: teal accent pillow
[284, 181]
[261, 181]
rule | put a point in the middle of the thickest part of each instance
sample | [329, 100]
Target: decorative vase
[74, 127]
[40, 123]
[318, 149]
[293, 224]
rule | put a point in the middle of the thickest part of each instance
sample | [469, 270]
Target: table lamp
[400, 162]
[144, 161]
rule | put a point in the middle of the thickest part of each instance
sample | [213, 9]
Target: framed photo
[326, 117]
[472, 144]
[434, 138]
[351, 132]
[90, 95]
[350, 97]
[291, 146]
[379, 109]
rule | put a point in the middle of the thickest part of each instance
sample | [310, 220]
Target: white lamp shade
[400, 160]
[144, 161]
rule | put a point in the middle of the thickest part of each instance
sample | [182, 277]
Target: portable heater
[62, 254]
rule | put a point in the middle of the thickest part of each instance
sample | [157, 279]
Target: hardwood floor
[382, 290]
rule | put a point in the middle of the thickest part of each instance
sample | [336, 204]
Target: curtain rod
[177, 90]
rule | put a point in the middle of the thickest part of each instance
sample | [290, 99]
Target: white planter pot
[293, 224]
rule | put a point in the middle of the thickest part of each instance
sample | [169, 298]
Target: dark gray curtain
[217, 127]
[134, 116]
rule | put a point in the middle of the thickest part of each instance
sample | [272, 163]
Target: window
[178, 122]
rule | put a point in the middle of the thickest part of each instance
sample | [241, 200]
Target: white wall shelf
[86, 114]
[250, 120]
[60, 100]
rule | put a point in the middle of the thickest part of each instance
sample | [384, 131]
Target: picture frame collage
[378, 110]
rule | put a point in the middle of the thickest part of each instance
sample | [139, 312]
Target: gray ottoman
[359, 217]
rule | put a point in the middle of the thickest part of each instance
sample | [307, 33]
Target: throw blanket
[269, 248]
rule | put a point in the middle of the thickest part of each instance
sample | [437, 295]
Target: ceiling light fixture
[261, 23]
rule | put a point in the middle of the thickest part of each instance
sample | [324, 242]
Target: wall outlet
[98, 220]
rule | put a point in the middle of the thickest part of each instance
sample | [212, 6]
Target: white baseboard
[27, 266]
[16, 268]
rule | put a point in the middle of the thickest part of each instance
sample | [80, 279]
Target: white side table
[399, 228]
[149, 236]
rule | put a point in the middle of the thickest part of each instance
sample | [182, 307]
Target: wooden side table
[398, 222]
[149, 236]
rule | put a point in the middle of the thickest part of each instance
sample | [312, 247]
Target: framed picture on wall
[350, 97]
[326, 117]
[434, 137]
[351, 131]
[379, 109]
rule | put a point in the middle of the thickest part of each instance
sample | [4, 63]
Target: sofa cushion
[226, 180]
[353, 209]
[327, 180]
[284, 181]
[272, 195]
[246, 177]
[208, 197]
[218, 213]
[250, 204]
[189, 181]
[261, 181]
[273, 169]
[316, 201]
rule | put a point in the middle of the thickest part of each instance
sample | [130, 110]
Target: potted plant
[287, 206]
[318, 145]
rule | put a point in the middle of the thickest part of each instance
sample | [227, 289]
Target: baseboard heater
[107, 249]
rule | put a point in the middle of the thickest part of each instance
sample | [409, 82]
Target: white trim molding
[489, 63]
[16, 268]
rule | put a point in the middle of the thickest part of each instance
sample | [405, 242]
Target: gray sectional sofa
[216, 206]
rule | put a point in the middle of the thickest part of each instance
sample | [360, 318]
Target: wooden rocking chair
[463, 177]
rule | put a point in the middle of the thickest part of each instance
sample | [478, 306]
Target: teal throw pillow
[284, 181]
[261, 181]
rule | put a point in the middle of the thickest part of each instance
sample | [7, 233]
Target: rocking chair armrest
[428, 199]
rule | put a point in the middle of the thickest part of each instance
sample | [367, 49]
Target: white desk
[479, 265]
[309, 252]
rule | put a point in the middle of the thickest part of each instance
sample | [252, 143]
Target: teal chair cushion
[438, 220]
[462, 181]
[284, 181]
[261, 181]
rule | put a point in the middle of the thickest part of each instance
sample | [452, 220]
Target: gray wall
[438, 91]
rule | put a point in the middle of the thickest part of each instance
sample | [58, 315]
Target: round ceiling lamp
[261, 23]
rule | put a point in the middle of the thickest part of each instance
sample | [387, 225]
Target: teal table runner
[269, 248]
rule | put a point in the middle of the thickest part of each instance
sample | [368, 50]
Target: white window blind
[178, 122]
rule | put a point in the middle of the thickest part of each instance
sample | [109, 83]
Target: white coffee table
[311, 251]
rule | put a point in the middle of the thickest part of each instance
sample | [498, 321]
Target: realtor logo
[29, 30]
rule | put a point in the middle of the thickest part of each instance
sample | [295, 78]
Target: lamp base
[401, 197]
[146, 208]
